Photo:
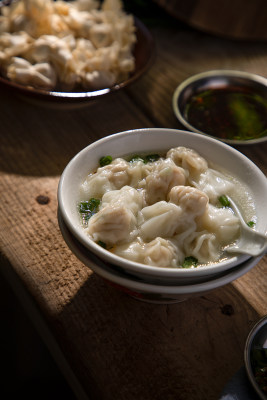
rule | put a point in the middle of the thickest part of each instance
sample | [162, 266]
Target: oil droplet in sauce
[228, 113]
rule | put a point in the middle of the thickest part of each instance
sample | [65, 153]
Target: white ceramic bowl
[146, 290]
[153, 140]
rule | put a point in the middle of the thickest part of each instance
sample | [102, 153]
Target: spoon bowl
[250, 242]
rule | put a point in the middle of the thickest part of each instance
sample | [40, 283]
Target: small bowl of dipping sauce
[228, 105]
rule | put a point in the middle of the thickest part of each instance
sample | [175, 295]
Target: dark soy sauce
[228, 113]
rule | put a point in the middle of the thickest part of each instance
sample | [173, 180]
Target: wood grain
[119, 347]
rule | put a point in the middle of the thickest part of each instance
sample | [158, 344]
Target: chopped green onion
[224, 201]
[250, 224]
[190, 262]
[151, 158]
[102, 244]
[105, 160]
[88, 208]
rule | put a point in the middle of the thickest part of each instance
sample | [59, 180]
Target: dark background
[27, 367]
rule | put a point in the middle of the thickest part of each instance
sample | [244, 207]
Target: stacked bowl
[147, 282]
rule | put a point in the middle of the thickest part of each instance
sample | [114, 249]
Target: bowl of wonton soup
[169, 224]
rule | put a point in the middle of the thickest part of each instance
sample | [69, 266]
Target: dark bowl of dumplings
[68, 55]
[144, 209]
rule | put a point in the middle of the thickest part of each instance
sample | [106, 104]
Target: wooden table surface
[109, 345]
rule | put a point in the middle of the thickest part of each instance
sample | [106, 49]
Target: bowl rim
[247, 354]
[127, 264]
[80, 97]
[209, 74]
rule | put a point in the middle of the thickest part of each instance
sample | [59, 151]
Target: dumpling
[162, 178]
[40, 75]
[98, 79]
[12, 45]
[166, 219]
[112, 224]
[114, 176]
[203, 245]
[188, 159]
[110, 177]
[159, 252]
[133, 251]
[116, 220]
[95, 185]
[214, 184]
[205, 235]
[101, 35]
[117, 173]
[126, 196]
[222, 222]
[37, 17]
[159, 219]
[193, 201]
[138, 171]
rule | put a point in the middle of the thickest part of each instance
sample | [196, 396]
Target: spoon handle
[250, 242]
[254, 252]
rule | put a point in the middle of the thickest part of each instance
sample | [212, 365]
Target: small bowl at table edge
[260, 325]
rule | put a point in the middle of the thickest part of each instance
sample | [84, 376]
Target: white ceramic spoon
[250, 242]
